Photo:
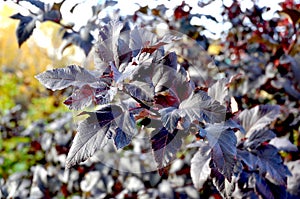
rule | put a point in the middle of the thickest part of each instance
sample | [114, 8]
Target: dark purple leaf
[283, 144]
[165, 145]
[121, 139]
[200, 170]
[258, 117]
[94, 132]
[140, 38]
[259, 137]
[262, 187]
[25, 27]
[61, 78]
[225, 187]
[266, 159]
[163, 77]
[52, 15]
[82, 39]
[223, 142]
[86, 95]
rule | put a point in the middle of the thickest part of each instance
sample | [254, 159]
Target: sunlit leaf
[61, 78]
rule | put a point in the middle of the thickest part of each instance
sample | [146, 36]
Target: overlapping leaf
[199, 106]
[140, 90]
[259, 137]
[94, 132]
[61, 78]
[266, 159]
[87, 95]
[165, 145]
[107, 47]
[224, 186]
[258, 117]
[219, 90]
[223, 142]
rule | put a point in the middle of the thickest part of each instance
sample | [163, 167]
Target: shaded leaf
[25, 27]
[258, 117]
[61, 78]
[266, 159]
[52, 15]
[259, 137]
[200, 170]
[94, 132]
[223, 142]
[82, 39]
[262, 187]
[165, 145]
[225, 187]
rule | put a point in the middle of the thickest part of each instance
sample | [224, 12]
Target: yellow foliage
[18, 66]
[214, 49]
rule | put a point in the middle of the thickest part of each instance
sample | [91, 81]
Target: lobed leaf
[259, 137]
[61, 78]
[25, 28]
[258, 117]
[199, 106]
[223, 142]
[219, 90]
[94, 132]
[165, 145]
[266, 159]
